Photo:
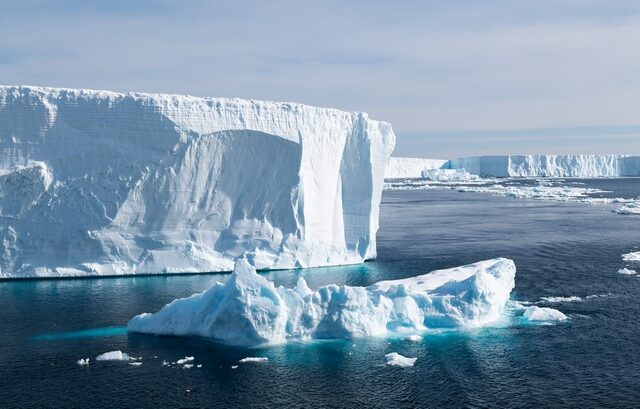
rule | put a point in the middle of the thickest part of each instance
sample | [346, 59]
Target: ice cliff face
[578, 166]
[408, 168]
[95, 182]
[249, 310]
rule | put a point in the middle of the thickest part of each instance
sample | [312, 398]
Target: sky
[454, 77]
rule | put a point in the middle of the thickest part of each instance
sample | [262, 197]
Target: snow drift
[249, 310]
[103, 183]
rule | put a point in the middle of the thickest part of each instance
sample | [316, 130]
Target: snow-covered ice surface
[408, 168]
[104, 183]
[395, 359]
[249, 310]
[113, 356]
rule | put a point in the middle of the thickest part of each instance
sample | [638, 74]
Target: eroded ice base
[249, 310]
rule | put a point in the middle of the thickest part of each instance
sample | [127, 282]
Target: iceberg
[411, 168]
[105, 183]
[576, 166]
[248, 310]
[627, 271]
[557, 166]
[253, 359]
[633, 256]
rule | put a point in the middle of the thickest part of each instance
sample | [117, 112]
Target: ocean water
[560, 249]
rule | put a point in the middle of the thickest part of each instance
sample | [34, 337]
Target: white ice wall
[96, 182]
[578, 166]
[411, 168]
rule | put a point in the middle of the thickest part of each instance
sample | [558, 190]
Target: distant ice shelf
[575, 166]
[104, 183]
[248, 310]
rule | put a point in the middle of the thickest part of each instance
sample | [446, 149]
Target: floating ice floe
[188, 366]
[627, 271]
[135, 363]
[83, 362]
[543, 314]
[249, 310]
[634, 256]
[113, 356]
[395, 359]
[253, 359]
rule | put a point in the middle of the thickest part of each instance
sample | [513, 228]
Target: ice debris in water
[83, 362]
[543, 314]
[253, 359]
[626, 271]
[249, 310]
[413, 338]
[560, 299]
[395, 359]
[634, 256]
[185, 360]
[113, 356]
[135, 363]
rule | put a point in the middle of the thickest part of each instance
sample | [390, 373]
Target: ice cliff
[103, 183]
[408, 168]
[249, 310]
[576, 166]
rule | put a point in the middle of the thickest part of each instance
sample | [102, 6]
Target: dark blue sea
[560, 249]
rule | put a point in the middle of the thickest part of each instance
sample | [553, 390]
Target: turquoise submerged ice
[249, 310]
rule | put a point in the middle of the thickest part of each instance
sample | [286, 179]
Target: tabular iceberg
[411, 168]
[103, 183]
[577, 166]
[249, 310]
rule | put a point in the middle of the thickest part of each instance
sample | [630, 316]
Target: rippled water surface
[560, 249]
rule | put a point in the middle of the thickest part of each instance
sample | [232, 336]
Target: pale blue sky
[454, 78]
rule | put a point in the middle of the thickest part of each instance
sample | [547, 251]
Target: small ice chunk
[234, 367]
[543, 314]
[199, 366]
[135, 363]
[254, 359]
[395, 359]
[188, 366]
[627, 271]
[633, 256]
[83, 361]
[185, 360]
[413, 338]
[113, 356]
